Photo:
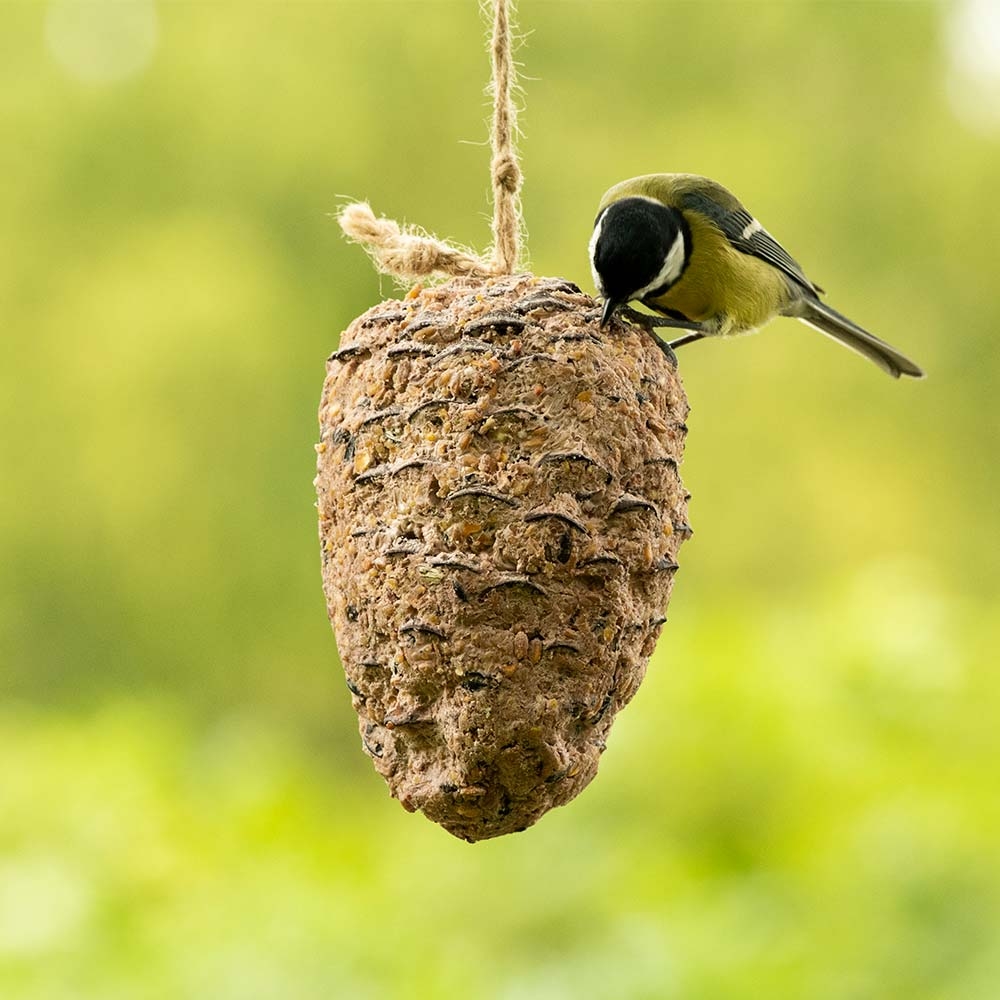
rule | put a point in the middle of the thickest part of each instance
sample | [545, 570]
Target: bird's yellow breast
[721, 287]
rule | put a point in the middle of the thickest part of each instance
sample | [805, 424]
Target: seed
[430, 573]
[521, 646]
[647, 555]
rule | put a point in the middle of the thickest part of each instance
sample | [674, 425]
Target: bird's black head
[639, 249]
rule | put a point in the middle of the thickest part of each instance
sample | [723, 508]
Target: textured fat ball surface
[500, 513]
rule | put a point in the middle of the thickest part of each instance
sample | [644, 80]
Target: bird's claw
[649, 324]
[665, 347]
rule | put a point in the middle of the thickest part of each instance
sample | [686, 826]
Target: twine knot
[506, 173]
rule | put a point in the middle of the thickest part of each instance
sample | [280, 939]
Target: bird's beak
[610, 305]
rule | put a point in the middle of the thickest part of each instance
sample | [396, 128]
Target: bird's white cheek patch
[673, 264]
[592, 250]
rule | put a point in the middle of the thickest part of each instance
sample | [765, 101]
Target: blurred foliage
[802, 802]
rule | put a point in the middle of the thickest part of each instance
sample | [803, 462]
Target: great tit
[685, 247]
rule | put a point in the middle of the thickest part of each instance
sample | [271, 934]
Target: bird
[685, 247]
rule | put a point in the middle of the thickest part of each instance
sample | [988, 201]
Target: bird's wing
[747, 235]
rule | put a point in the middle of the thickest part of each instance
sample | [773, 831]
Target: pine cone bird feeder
[500, 513]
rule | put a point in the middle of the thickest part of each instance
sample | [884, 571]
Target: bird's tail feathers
[827, 320]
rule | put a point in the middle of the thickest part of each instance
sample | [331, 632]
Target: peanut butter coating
[500, 510]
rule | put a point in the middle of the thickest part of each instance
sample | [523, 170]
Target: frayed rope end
[408, 254]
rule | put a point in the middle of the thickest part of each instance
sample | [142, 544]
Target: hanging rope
[505, 169]
[409, 253]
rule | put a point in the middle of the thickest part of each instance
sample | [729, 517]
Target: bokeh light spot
[43, 902]
[101, 41]
[973, 42]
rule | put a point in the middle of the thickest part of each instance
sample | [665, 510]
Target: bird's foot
[689, 339]
[652, 323]
[667, 349]
[658, 322]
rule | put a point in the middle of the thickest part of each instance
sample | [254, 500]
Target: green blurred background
[802, 801]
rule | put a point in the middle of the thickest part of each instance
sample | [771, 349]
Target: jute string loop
[409, 253]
